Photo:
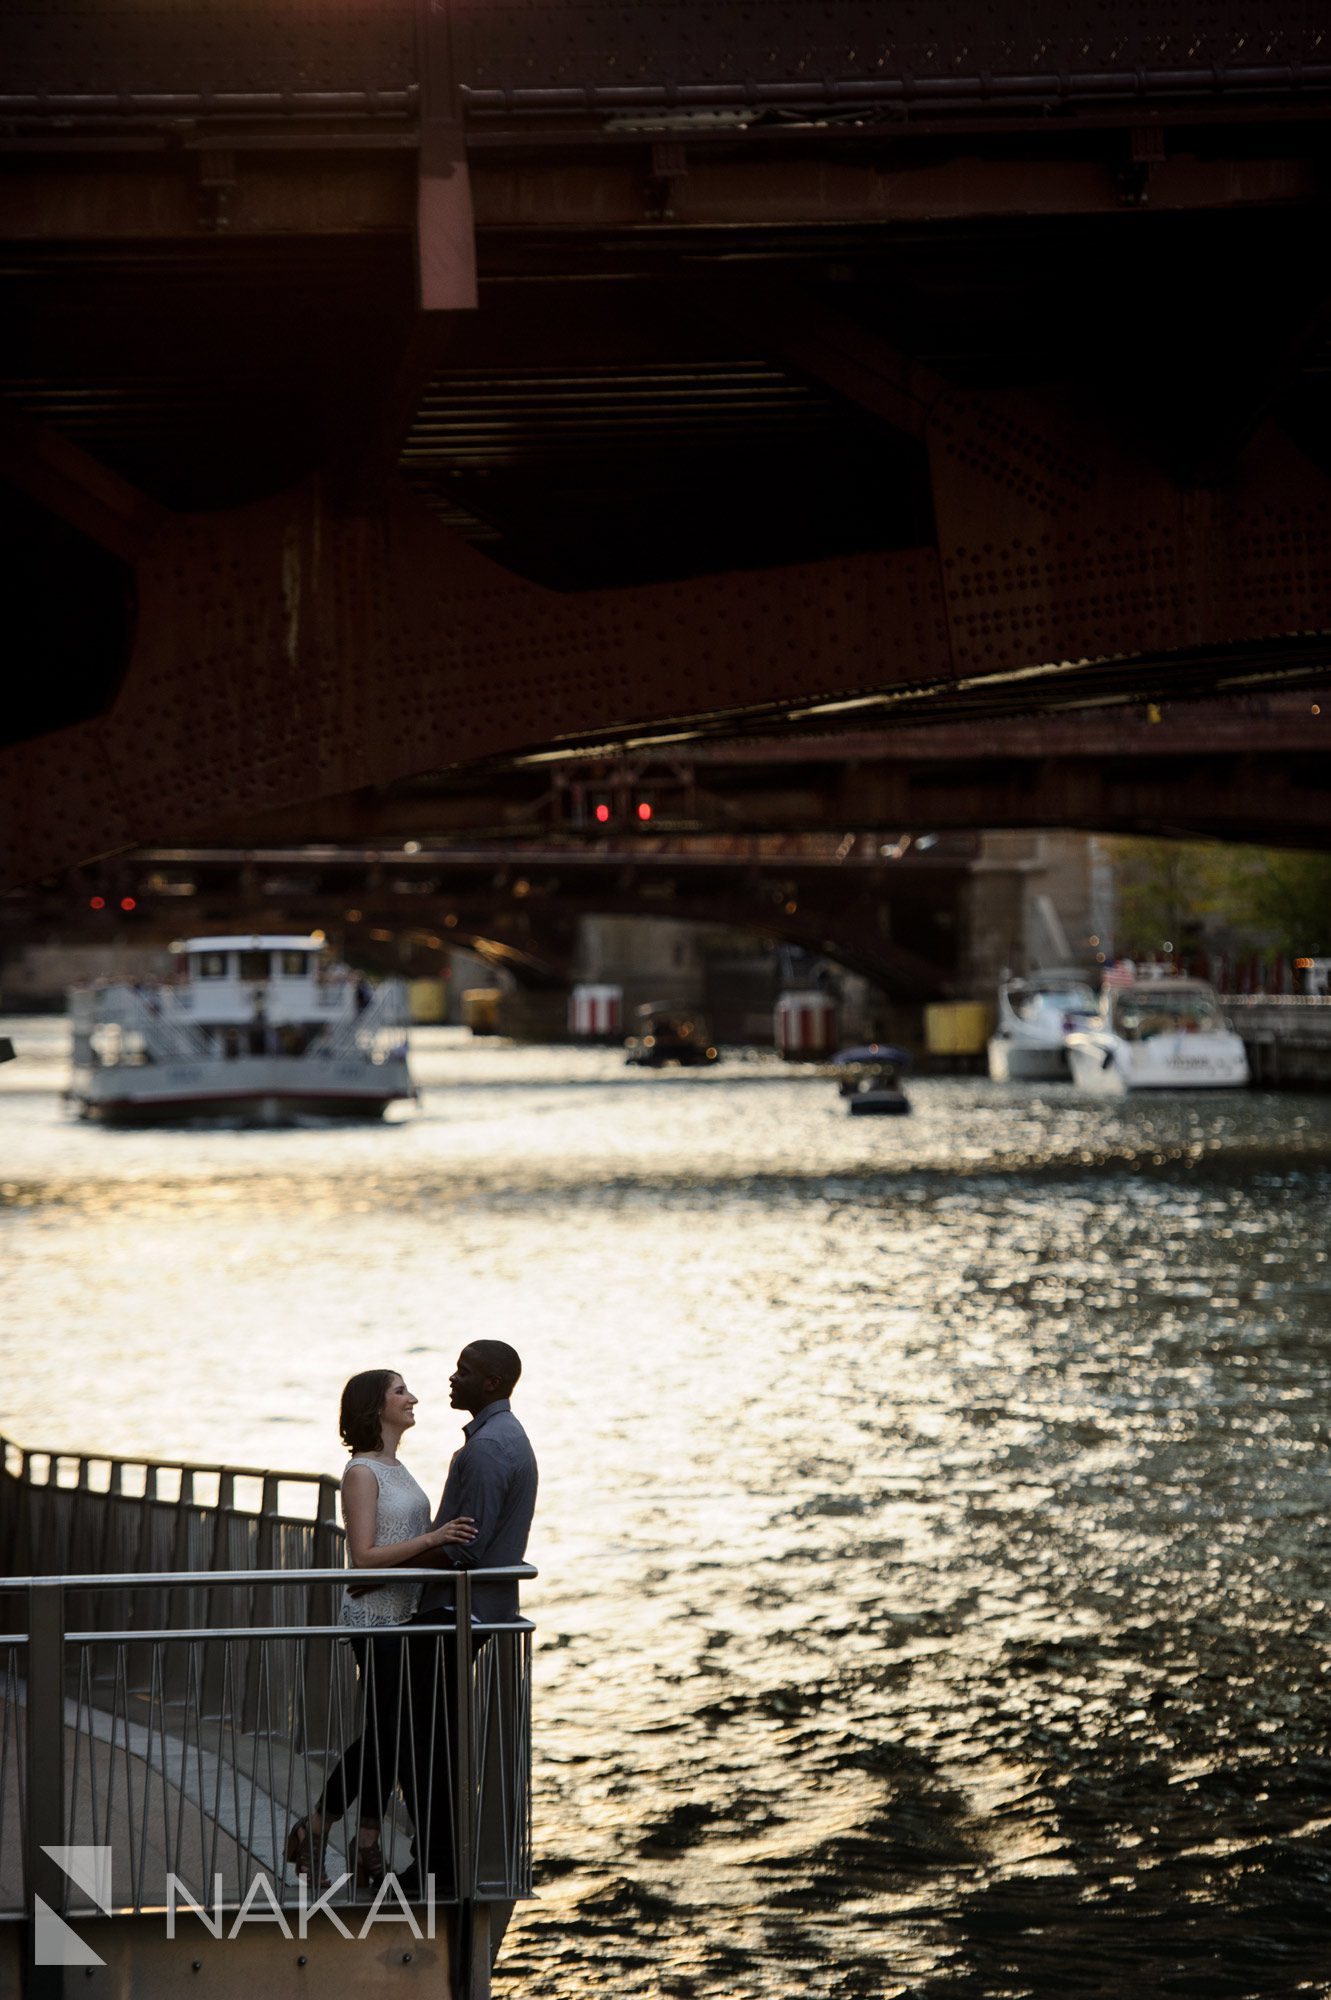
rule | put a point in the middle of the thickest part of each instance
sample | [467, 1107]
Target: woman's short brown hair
[362, 1400]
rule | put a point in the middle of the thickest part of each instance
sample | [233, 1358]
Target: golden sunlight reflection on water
[933, 1572]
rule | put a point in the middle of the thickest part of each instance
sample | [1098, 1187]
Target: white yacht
[1157, 1034]
[256, 1029]
[1035, 1015]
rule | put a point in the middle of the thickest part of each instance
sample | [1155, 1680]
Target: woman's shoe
[300, 1850]
[369, 1860]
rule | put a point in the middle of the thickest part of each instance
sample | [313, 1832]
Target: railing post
[45, 1775]
[178, 1601]
[263, 1599]
[12, 1510]
[471, 1948]
[321, 1608]
[218, 1598]
[226, 1504]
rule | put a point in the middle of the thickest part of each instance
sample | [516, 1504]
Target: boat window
[1071, 1000]
[254, 965]
[1141, 1016]
[210, 964]
[1028, 1003]
[294, 964]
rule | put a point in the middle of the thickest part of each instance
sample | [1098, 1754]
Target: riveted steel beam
[74, 486]
[286, 654]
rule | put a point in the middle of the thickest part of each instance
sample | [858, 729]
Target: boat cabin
[1032, 1001]
[1157, 1007]
[287, 981]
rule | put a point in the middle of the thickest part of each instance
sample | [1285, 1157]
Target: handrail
[169, 1039]
[190, 1634]
[114, 1459]
[386, 1008]
[54, 1453]
[177, 1578]
[1314, 1002]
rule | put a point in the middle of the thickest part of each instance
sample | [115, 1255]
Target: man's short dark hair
[498, 1359]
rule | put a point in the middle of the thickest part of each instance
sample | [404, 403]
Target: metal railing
[186, 1755]
[165, 1037]
[181, 1720]
[383, 1016]
[90, 1513]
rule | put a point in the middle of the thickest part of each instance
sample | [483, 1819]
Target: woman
[387, 1519]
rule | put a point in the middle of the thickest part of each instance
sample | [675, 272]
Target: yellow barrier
[957, 1027]
[427, 1000]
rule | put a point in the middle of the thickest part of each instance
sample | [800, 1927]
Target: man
[491, 1480]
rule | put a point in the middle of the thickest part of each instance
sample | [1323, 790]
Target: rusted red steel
[288, 653]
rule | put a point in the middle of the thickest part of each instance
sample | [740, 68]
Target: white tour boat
[257, 1029]
[1157, 1034]
[1035, 1016]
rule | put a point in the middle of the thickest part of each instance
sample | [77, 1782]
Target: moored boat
[1035, 1016]
[258, 1030]
[870, 1079]
[1157, 1034]
[669, 1035]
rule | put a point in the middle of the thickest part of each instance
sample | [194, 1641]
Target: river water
[933, 1531]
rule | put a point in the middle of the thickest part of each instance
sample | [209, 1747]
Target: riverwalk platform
[1287, 1036]
[174, 1692]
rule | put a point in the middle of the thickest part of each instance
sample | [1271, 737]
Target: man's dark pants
[429, 1776]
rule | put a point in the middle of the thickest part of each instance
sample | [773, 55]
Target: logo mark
[53, 1941]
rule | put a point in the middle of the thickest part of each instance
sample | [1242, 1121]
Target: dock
[1287, 1036]
[162, 1724]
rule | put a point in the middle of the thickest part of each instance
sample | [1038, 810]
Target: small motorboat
[869, 1078]
[1035, 1017]
[669, 1035]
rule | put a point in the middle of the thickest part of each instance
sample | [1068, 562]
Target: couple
[408, 1730]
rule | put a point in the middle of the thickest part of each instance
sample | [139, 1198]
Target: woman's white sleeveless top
[404, 1512]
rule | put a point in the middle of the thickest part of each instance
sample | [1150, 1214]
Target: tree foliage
[1190, 894]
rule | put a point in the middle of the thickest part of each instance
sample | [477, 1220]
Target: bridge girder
[284, 652]
[355, 294]
[896, 922]
[1229, 773]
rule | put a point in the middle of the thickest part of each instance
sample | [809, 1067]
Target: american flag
[1121, 974]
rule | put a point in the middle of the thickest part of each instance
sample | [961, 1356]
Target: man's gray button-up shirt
[493, 1480]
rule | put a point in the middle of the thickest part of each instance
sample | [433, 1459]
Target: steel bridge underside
[396, 393]
[896, 918]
